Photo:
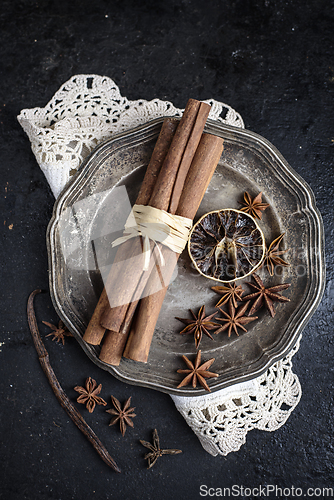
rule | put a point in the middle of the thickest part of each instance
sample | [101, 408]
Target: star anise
[58, 332]
[123, 415]
[235, 319]
[272, 256]
[199, 325]
[155, 450]
[197, 372]
[267, 296]
[89, 394]
[253, 206]
[230, 293]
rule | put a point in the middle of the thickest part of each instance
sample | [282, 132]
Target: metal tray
[79, 231]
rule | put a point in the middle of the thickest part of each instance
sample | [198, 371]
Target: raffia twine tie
[158, 226]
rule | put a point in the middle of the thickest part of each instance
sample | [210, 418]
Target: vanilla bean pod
[70, 409]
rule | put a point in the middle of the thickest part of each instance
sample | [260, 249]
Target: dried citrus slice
[226, 245]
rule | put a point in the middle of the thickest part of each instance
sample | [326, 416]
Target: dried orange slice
[226, 245]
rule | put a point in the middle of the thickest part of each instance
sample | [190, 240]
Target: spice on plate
[197, 372]
[89, 394]
[226, 245]
[265, 296]
[123, 415]
[200, 173]
[272, 256]
[95, 332]
[230, 293]
[199, 325]
[235, 319]
[125, 283]
[255, 206]
[155, 450]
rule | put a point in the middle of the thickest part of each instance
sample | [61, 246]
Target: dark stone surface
[270, 60]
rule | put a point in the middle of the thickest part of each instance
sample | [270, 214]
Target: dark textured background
[270, 60]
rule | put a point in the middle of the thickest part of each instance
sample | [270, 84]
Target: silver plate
[249, 162]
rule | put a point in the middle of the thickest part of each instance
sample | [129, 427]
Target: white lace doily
[85, 111]
[89, 109]
[222, 419]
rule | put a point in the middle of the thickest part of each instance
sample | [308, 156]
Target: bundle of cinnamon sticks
[179, 172]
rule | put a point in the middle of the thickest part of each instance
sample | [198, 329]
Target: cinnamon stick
[188, 156]
[199, 176]
[167, 192]
[131, 281]
[114, 342]
[95, 332]
[113, 347]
